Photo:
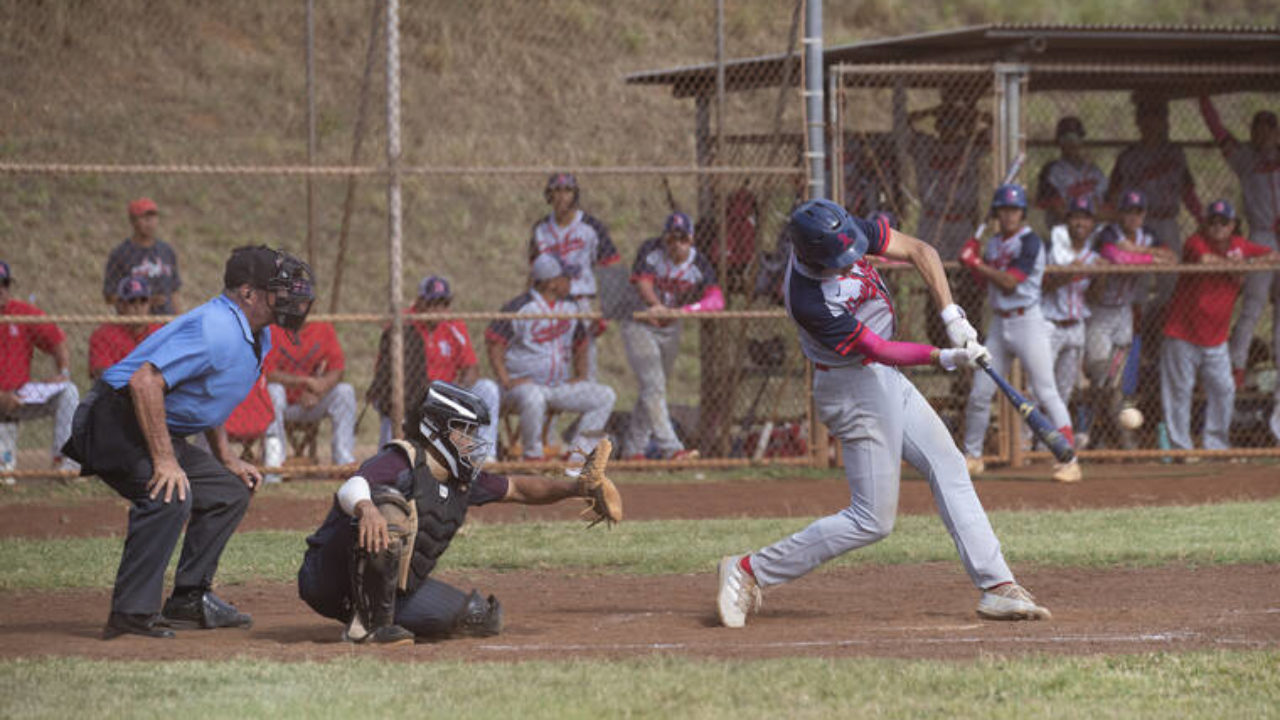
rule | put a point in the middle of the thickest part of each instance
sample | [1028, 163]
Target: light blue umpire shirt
[209, 359]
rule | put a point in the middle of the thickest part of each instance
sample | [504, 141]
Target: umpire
[132, 429]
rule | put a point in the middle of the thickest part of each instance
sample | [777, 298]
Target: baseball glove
[604, 502]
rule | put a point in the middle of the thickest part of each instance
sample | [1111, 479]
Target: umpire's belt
[1016, 312]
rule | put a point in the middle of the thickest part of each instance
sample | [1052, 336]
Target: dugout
[1017, 81]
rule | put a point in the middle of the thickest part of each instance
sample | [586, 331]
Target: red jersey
[1200, 310]
[18, 343]
[448, 348]
[110, 343]
[253, 415]
[316, 353]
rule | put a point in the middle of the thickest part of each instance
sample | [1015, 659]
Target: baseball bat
[1008, 178]
[1039, 424]
[671, 199]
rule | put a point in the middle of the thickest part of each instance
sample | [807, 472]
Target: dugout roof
[1249, 58]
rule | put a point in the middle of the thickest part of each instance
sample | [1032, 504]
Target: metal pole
[394, 215]
[311, 131]
[813, 92]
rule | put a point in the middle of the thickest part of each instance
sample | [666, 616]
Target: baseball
[1130, 418]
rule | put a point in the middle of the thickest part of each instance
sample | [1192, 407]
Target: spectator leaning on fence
[670, 276]
[541, 363]
[1196, 327]
[1063, 303]
[1068, 176]
[304, 379]
[144, 254]
[1109, 329]
[580, 241]
[20, 398]
[1257, 163]
[111, 342]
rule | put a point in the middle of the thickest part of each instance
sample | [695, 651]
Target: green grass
[1228, 533]
[1187, 685]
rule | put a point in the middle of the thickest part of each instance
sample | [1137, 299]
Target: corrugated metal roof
[1029, 43]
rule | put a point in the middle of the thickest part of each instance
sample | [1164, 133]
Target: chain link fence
[204, 111]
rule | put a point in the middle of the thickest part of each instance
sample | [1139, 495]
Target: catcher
[370, 563]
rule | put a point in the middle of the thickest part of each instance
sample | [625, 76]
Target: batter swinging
[845, 319]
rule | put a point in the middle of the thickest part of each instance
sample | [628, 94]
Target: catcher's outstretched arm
[538, 490]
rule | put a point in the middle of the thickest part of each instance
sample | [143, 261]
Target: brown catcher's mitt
[604, 502]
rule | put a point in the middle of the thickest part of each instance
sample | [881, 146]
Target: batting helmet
[824, 235]
[448, 421]
[1011, 195]
[562, 180]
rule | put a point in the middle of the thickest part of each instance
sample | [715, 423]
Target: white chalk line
[1139, 638]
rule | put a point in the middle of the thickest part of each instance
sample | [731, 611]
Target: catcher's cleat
[739, 594]
[1068, 472]
[1010, 601]
[385, 636]
[974, 465]
[128, 624]
[203, 611]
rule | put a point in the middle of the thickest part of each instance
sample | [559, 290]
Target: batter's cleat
[974, 465]
[685, 455]
[203, 611]
[128, 624]
[739, 594]
[1068, 472]
[1010, 601]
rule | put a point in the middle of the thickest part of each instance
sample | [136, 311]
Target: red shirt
[17, 343]
[1200, 309]
[316, 353]
[448, 348]
[252, 416]
[110, 343]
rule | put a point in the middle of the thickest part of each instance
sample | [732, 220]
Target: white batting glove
[978, 353]
[959, 331]
[966, 357]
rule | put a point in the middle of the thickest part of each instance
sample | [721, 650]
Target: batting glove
[966, 357]
[971, 254]
[959, 331]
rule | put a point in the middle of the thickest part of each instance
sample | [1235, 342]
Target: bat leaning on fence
[1039, 424]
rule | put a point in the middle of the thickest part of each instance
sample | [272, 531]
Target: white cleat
[974, 465]
[739, 595]
[1068, 472]
[1010, 602]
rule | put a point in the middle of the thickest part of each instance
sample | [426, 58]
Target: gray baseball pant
[881, 419]
[62, 407]
[1180, 363]
[651, 352]
[1066, 349]
[1259, 287]
[532, 401]
[339, 404]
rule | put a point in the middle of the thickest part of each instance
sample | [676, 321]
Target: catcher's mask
[449, 420]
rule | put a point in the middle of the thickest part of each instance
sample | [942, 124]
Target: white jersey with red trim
[584, 243]
[1066, 302]
[1259, 184]
[540, 349]
[1022, 254]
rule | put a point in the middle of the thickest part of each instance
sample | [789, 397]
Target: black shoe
[203, 611]
[127, 624]
[389, 636]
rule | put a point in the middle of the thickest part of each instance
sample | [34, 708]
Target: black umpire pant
[107, 441]
[324, 583]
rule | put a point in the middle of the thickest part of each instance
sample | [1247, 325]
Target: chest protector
[442, 508]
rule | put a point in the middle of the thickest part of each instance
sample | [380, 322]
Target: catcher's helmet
[825, 236]
[448, 421]
[1011, 195]
[562, 180]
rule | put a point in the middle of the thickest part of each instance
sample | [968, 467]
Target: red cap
[142, 206]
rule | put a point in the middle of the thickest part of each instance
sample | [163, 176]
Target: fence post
[394, 216]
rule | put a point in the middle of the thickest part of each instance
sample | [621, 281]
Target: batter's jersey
[832, 311]
[1122, 289]
[1063, 179]
[1022, 254]
[1259, 183]
[584, 243]
[540, 349]
[1161, 172]
[676, 284]
[1066, 302]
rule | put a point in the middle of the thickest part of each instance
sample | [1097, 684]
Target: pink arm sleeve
[712, 300]
[889, 352]
[1122, 257]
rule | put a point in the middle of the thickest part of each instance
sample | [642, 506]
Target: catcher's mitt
[604, 502]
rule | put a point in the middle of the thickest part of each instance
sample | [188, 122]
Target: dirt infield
[917, 611]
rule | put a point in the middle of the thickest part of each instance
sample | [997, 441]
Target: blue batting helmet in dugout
[1010, 195]
[825, 236]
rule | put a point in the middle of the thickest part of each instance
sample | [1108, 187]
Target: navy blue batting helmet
[1011, 195]
[825, 236]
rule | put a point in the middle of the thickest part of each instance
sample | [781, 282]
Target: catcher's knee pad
[480, 617]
